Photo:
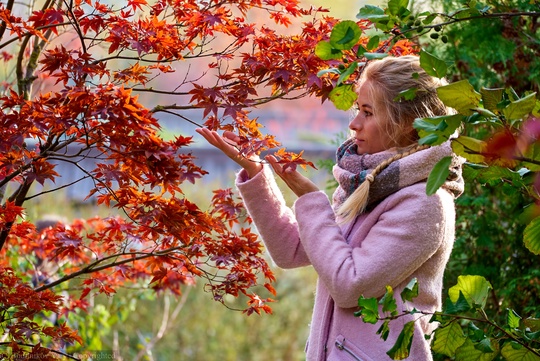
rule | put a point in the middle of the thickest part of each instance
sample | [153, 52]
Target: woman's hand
[299, 184]
[228, 145]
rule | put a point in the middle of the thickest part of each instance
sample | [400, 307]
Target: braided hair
[388, 80]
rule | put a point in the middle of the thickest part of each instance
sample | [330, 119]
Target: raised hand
[299, 184]
[228, 145]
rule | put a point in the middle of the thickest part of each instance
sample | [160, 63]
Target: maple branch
[93, 267]
[18, 198]
[49, 349]
[3, 26]
[76, 25]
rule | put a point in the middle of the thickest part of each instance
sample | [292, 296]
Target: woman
[381, 228]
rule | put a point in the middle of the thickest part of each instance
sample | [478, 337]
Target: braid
[357, 201]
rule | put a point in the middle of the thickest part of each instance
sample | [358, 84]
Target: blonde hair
[387, 80]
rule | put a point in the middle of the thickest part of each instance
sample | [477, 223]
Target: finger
[233, 137]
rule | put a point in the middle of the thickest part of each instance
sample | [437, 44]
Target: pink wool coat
[407, 235]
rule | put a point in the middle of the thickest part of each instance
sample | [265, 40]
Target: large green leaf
[513, 351]
[469, 352]
[372, 13]
[491, 98]
[433, 65]
[531, 236]
[520, 108]
[448, 338]
[325, 51]
[343, 96]
[469, 148]
[402, 347]
[437, 130]
[438, 175]
[395, 6]
[460, 96]
[345, 35]
[474, 288]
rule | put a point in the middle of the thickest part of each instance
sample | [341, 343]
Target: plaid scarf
[351, 170]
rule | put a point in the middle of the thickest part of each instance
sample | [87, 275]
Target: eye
[367, 113]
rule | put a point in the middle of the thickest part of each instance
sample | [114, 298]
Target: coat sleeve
[398, 241]
[275, 222]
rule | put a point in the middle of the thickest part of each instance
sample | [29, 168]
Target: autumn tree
[73, 73]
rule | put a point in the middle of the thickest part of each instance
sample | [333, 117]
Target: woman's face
[368, 125]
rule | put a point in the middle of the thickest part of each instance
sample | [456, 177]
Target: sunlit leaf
[469, 148]
[520, 108]
[325, 51]
[433, 65]
[491, 98]
[448, 338]
[513, 319]
[369, 310]
[469, 352]
[402, 347]
[531, 236]
[388, 301]
[474, 288]
[460, 96]
[512, 351]
[343, 96]
[345, 35]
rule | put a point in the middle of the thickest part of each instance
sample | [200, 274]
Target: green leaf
[491, 97]
[410, 291]
[513, 351]
[384, 330]
[469, 148]
[369, 310]
[429, 18]
[395, 6]
[438, 175]
[343, 96]
[347, 73]
[325, 51]
[460, 96]
[402, 347]
[531, 236]
[520, 108]
[469, 352]
[388, 301]
[433, 65]
[372, 56]
[460, 306]
[408, 94]
[373, 42]
[512, 319]
[437, 130]
[372, 13]
[448, 338]
[474, 288]
[345, 35]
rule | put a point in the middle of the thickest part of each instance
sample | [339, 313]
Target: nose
[356, 123]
